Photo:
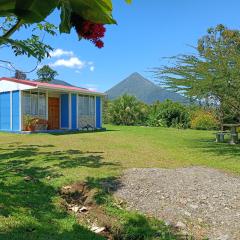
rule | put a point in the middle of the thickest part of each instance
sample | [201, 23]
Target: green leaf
[18, 44]
[31, 11]
[32, 47]
[98, 11]
[65, 25]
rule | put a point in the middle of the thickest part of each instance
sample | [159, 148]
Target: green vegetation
[46, 74]
[203, 120]
[34, 167]
[211, 75]
[168, 114]
[127, 110]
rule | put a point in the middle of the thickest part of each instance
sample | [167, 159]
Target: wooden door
[53, 113]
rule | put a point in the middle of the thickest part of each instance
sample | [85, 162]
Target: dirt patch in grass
[95, 209]
[80, 199]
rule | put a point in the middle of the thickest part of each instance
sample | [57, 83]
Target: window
[92, 106]
[42, 105]
[34, 104]
[86, 111]
[26, 103]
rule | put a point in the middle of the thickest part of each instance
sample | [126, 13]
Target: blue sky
[146, 32]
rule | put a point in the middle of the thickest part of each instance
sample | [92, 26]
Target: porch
[60, 110]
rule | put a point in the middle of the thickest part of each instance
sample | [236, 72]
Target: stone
[83, 209]
[187, 213]
[193, 206]
[180, 225]
[97, 229]
[223, 237]
[75, 209]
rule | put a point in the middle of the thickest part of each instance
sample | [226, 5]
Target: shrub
[204, 120]
[168, 114]
[127, 110]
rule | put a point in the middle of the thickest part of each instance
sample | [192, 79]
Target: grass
[32, 210]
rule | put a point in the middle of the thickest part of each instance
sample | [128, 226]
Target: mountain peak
[143, 89]
[135, 74]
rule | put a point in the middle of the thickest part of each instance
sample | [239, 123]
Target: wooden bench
[220, 136]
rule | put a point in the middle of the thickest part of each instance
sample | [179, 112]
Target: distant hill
[143, 89]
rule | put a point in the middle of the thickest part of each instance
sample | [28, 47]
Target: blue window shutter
[98, 113]
[15, 111]
[64, 111]
[74, 111]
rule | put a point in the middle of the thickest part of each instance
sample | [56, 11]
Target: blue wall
[98, 113]
[5, 111]
[15, 111]
[64, 111]
[74, 111]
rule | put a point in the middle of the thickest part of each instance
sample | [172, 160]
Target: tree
[212, 75]
[168, 114]
[87, 17]
[46, 74]
[127, 110]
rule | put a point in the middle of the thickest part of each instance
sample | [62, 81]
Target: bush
[168, 114]
[127, 110]
[204, 120]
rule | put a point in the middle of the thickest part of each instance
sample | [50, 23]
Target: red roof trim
[27, 82]
[47, 85]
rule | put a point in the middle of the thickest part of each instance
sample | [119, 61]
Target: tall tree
[46, 74]
[213, 73]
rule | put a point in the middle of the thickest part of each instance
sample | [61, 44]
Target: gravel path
[200, 201]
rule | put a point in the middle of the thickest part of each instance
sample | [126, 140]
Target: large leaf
[99, 11]
[65, 25]
[31, 11]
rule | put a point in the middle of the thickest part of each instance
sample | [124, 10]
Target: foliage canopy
[212, 74]
[46, 74]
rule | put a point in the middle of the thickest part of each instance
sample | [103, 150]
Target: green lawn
[31, 210]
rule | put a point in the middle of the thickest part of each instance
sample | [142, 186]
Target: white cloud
[60, 52]
[73, 62]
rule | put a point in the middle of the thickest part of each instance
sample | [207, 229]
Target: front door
[53, 113]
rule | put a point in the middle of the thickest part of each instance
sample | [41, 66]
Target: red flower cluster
[89, 30]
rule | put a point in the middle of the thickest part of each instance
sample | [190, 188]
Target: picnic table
[233, 131]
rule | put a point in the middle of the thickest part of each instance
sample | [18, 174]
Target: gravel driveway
[200, 201]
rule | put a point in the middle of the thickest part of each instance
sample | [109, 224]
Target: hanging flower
[93, 32]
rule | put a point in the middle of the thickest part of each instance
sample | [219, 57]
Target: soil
[79, 196]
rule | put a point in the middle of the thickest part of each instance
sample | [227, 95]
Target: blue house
[61, 107]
